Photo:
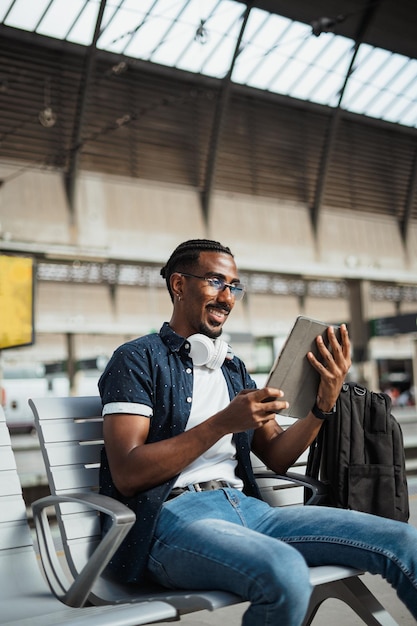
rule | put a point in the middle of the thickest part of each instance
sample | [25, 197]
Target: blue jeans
[226, 540]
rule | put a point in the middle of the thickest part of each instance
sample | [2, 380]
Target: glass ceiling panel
[118, 27]
[200, 36]
[82, 32]
[225, 25]
[20, 17]
[59, 18]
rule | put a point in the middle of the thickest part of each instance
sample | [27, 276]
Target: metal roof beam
[85, 83]
[334, 122]
[411, 194]
[218, 123]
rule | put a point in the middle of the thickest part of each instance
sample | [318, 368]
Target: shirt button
[188, 370]
[189, 399]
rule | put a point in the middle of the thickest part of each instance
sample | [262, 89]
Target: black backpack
[359, 454]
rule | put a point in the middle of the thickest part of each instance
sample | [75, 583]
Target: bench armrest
[318, 488]
[76, 593]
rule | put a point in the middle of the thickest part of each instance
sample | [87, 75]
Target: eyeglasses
[237, 290]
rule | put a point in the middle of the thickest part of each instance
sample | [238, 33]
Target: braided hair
[187, 254]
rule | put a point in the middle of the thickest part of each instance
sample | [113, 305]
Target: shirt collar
[171, 338]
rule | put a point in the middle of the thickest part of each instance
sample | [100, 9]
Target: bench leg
[355, 594]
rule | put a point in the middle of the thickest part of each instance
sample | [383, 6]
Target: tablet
[292, 371]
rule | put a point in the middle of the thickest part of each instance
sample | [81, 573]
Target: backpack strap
[314, 460]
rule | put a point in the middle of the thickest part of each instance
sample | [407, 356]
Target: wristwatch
[322, 415]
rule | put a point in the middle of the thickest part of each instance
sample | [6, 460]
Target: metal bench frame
[70, 435]
[25, 597]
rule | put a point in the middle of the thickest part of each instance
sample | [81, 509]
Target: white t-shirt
[210, 395]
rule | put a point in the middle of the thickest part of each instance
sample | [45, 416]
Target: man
[181, 417]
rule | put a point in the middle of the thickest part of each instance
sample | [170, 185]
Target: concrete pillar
[70, 362]
[358, 327]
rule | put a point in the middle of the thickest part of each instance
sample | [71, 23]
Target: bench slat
[70, 430]
[15, 535]
[74, 478]
[9, 483]
[7, 461]
[12, 508]
[53, 408]
[70, 453]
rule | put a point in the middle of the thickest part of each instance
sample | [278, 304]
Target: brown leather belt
[209, 485]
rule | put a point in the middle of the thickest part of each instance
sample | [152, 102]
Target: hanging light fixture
[47, 117]
[201, 34]
[326, 24]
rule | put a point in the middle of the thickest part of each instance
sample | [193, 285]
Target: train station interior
[312, 188]
[286, 130]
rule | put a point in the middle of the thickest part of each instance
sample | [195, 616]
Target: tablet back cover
[292, 371]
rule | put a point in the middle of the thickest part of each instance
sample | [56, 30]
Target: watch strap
[322, 415]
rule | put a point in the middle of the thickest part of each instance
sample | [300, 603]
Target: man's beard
[210, 332]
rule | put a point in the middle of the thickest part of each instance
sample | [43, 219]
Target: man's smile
[219, 314]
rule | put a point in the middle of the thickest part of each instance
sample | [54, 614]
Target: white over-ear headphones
[205, 351]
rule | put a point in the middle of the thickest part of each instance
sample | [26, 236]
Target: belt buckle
[210, 485]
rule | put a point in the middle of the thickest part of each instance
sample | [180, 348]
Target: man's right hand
[251, 409]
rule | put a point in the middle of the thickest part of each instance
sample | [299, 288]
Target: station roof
[354, 57]
[360, 55]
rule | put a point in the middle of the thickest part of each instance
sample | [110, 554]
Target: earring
[179, 297]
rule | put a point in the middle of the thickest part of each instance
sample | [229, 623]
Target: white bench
[70, 434]
[25, 598]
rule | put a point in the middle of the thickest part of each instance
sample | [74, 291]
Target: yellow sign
[16, 301]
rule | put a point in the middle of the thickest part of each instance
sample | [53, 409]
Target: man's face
[205, 309]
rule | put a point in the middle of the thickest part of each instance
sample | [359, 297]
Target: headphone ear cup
[201, 350]
[204, 351]
[219, 354]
